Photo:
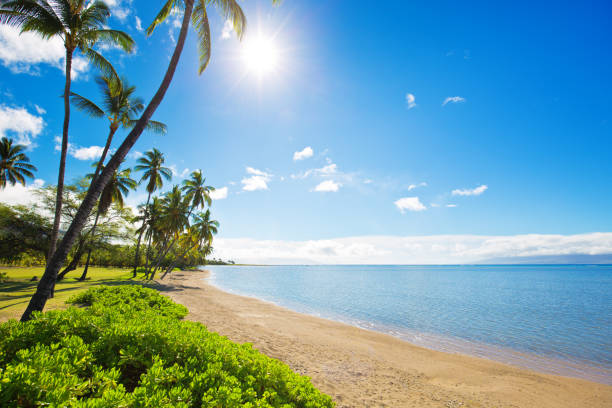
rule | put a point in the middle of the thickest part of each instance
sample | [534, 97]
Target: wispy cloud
[22, 53]
[453, 99]
[138, 22]
[258, 180]
[303, 154]
[21, 195]
[228, 29]
[219, 193]
[413, 186]
[436, 249]
[80, 152]
[18, 122]
[327, 186]
[470, 192]
[410, 101]
[409, 204]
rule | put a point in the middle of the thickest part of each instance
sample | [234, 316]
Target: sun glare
[260, 55]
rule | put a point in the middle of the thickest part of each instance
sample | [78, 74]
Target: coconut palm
[81, 25]
[152, 163]
[230, 10]
[14, 163]
[196, 190]
[173, 220]
[200, 233]
[118, 187]
[119, 106]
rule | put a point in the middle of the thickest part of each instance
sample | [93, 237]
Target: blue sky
[521, 147]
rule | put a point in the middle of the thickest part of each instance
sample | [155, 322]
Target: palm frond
[164, 13]
[199, 19]
[100, 62]
[85, 105]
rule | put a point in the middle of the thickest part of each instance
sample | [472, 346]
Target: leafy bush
[130, 349]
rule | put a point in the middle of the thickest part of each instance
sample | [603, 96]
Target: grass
[16, 292]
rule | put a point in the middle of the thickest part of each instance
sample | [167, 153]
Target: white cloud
[138, 23]
[228, 29]
[21, 195]
[413, 186]
[21, 124]
[436, 249]
[325, 171]
[453, 99]
[258, 180]
[304, 154]
[85, 153]
[410, 101]
[327, 186]
[79, 152]
[409, 204]
[470, 192]
[21, 53]
[219, 193]
[39, 110]
[451, 205]
[120, 8]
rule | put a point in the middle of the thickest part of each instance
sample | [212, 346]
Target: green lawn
[15, 294]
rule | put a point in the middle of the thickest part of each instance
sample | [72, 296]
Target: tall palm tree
[152, 163]
[174, 219]
[118, 187]
[196, 190]
[119, 106]
[81, 25]
[200, 233]
[230, 10]
[14, 163]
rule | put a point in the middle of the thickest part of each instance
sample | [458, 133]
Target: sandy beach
[360, 368]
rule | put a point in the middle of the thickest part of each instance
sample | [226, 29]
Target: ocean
[551, 318]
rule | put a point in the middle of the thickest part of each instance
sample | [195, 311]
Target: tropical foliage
[15, 165]
[129, 348]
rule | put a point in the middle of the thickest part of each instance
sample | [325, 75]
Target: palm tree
[81, 25]
[119, 106]
[119, 186]
[14, 164]
[230, 10]
[173, 220]
[200, 233]
[196, 190]
[154, 172]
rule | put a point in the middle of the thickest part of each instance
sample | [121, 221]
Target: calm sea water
[556, 319]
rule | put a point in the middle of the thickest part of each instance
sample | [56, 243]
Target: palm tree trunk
[140, 235]
[161, 258]
[39, 299]
[171, 267]
[147, 258]
[74, 262]
[109, 139]
[62, 167]
[93, 235]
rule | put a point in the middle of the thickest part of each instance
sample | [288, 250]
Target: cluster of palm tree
[172, 225]
[82, 25]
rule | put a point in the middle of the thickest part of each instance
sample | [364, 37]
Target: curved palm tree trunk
[109, 139]
[62, 167]
[140, 235]
[93, 235]
[173, 264]
[161, 258]
[38, 300]
[74, 262]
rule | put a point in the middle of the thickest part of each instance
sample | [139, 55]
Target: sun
[260, 55]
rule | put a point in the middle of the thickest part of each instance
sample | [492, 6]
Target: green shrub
[130, 349]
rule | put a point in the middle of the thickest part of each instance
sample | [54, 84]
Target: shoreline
[454, 345]
[360, 367]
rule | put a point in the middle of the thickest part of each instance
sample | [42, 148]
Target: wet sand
[361, 368]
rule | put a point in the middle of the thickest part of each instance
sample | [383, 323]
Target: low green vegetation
[17, 287]
[129, 348]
